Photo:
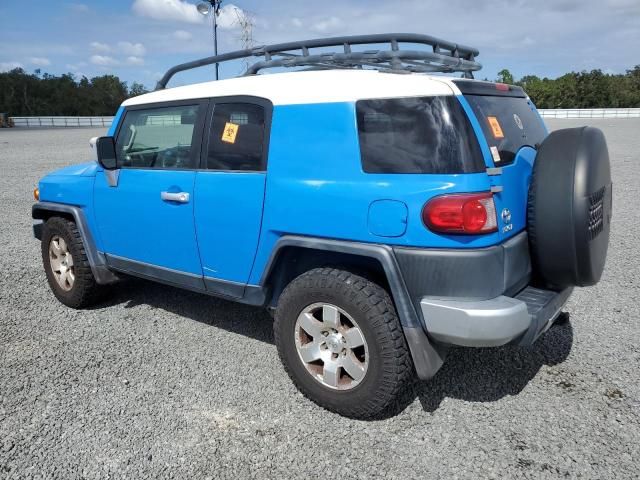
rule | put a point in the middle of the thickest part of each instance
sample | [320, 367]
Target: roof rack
[443, 56]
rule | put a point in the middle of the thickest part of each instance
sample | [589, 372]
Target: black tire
[84, 292]
[569, 208]
[390, 367]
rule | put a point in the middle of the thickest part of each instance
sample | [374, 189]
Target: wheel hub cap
[331, 346]
[61, 262]
[335, 342]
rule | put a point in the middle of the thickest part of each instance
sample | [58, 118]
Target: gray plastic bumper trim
[493, 322]
[479, 323]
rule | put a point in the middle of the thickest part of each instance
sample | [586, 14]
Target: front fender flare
[45, 210]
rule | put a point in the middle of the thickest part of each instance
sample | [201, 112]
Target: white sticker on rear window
[495, 153]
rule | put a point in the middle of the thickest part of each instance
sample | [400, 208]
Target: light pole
[213, 7]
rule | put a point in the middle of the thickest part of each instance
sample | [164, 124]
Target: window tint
[237, 137]
[509, 123]
[158, 138]
[417, 135]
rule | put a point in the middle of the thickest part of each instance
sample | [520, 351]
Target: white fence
[106, 121]
[591, 113]
[30, 122]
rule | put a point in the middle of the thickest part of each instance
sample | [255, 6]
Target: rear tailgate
[513, 130]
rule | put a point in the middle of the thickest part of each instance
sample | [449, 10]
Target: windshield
[509, 123]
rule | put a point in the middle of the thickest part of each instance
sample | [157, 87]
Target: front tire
[66, 265]
[340, 341]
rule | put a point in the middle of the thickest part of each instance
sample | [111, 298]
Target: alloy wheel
[331, 346]
[61, 262]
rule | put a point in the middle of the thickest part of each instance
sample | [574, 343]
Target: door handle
[179, 197]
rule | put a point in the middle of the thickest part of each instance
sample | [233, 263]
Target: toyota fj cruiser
[382, 212]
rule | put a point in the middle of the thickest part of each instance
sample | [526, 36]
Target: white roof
[322, 86]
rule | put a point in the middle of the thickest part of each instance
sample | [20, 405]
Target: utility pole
[246, 23]
[213, 7]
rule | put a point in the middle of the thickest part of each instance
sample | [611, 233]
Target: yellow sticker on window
[496, 129]
[230, 132]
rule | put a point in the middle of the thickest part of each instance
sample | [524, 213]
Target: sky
[138, 40]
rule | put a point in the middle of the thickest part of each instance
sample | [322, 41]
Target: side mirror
[106, 150]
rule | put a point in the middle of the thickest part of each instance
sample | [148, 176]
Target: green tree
[505, 76]
[137, 89]
[39, 93]
[22, 93]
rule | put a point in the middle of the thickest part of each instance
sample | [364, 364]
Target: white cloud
[328, 25]
[103, 60]
[625, 6]
[40, 61]
[182, 35]
[155, 76]
[172, 10]
[100, 47]
[133, 60]
[135, 49]
[7, 66]
[77, 69]
[296, 22]
[230, 17]
[79, 7]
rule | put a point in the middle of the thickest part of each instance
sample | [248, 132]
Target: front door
[144, 210]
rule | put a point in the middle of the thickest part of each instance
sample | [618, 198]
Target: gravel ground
[164, 383]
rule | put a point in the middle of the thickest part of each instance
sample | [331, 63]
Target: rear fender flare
[426, 357]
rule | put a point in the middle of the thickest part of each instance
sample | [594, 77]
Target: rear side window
[236, 139]
[417, 135]
[509, 123]
[158, 138]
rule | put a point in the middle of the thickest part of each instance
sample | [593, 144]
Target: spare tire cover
[569, 208]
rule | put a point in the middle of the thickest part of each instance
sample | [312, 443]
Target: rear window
[509, 123]
[417, 135]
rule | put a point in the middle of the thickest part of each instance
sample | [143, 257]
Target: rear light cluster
[467, 213]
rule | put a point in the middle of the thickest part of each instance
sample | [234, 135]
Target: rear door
[513, 131]
[230, 190]
[144, 211]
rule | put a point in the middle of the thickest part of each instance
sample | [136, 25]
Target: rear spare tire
[569, 209]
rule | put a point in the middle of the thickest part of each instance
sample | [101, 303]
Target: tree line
[594, 89]
[37, 94]
[24, 94]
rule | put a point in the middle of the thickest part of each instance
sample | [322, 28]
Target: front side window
[417, 135]
[158, 138]
[236, 139]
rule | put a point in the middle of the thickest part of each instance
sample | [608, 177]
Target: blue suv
[381, 212]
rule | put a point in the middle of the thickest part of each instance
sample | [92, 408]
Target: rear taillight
[467, 213]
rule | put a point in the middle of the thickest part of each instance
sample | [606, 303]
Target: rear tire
[379, 365]
[66, 265]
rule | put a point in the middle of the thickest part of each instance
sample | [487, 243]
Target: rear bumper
[479, 297]
[478, 273]
[493, 322]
